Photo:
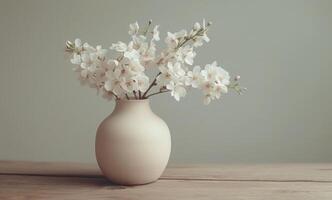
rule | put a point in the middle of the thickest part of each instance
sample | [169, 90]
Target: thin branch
[147, 28]
[116, 96]
[154, 82]
[193, 37]
[127, 96]
[135, 94]
[160, 92]
[139, 94]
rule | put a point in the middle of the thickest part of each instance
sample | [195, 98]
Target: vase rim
[132, 100]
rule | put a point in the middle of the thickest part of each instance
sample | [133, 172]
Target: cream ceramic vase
[133, 144]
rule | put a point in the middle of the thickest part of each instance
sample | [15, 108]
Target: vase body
[133, 144]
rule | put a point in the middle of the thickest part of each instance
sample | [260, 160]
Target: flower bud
[69, 44]
[237, 77]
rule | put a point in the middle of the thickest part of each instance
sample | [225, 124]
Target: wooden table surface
[44, 180]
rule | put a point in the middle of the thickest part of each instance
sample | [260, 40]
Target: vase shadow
[91, 182]
[69, 182]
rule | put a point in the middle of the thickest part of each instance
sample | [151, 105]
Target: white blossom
[113, 84]
[100, 51]
[119, 47]
[141, 82]
[124, 76]
[76, 60]
[133, 28]
[199, 40]
[78, 45]
[194, 77]
[177, 90]
[138, 43]
[171, 72]
[128, 85]
[112, 64]
[171, 40]
[215, 82]
[155, 33]
[186, 55]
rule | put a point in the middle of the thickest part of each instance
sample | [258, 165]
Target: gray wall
[282, 49]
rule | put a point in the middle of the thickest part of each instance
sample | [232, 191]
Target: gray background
[282, 49]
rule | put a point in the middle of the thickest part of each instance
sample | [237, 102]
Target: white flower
[139, 43]
[173, 78]
[210, 71]
[223, 76]
[133, 28]
[207, 87]
[76, 60]
[119, 47]
[128, 85]
[215, 73]
[194, 78]
[220, 89]
[165, 77]
[177, 90]
[131, 55]
[177, 72]
[123, 72]
[113, 84]
[87, 69]
[199, 40]
[89, 64]
[189, 58]
[100, 51]
[88, 48]
[112, 64]
[172, 72]
[214, 83]
[171, 40]
[99, 77]
[155, 33]
[142, 82]
[185, 54]
[78, 45]
[78, 42]
[136, 66]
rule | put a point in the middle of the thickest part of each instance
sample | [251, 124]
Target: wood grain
[43, 180]
[320, 172]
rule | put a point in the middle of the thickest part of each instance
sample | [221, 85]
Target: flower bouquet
[124, 77]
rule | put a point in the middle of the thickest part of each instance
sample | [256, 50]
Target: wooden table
[43, 180]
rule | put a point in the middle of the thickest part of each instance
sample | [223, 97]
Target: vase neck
[132, 105]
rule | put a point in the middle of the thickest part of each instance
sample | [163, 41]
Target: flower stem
[154, 82]
[157, 93]
[135, 94]
[187, 39]
[116, 96]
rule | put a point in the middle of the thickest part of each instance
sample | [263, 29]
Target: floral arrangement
[124, 77]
